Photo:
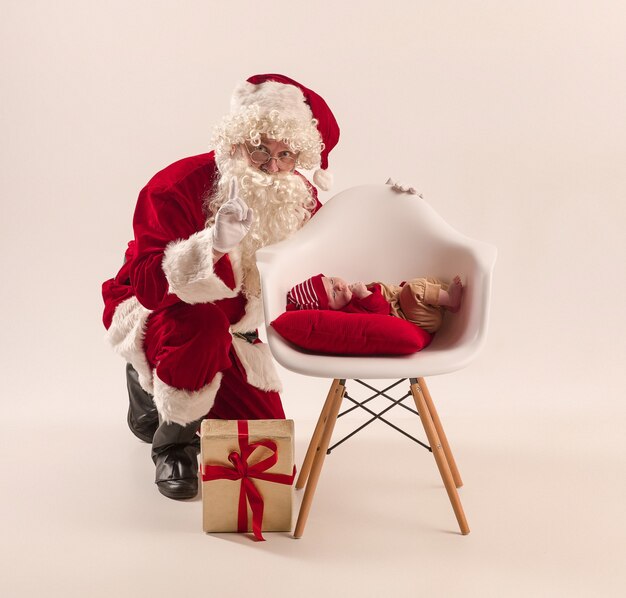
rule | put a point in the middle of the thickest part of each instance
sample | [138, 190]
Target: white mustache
[255, 177]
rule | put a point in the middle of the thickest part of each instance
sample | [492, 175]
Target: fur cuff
[126, 335]
[258, 363]
[184, 406]
[253, 317]
[188, 267]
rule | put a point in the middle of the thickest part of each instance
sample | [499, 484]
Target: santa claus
[185, 306]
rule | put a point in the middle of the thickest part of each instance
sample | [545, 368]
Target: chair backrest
[373, 232]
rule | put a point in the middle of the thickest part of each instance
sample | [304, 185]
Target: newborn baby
[419, 300]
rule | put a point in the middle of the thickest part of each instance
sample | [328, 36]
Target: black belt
[249, 337]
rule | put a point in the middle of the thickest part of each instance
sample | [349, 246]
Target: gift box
[247, 469]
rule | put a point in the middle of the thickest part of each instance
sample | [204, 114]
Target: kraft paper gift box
[247, 469]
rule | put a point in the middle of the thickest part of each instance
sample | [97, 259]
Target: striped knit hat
[309, 294]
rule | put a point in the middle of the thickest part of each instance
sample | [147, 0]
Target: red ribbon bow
[241, 470]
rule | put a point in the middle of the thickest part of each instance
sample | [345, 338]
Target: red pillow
[339, 333]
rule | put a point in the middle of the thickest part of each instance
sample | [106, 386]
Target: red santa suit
[178, 318]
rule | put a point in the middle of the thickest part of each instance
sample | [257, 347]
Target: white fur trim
[323, 179]
[188, 267]
[272, 95]
[184, 406]
[126, 335]
[253, 317]
[258, 363]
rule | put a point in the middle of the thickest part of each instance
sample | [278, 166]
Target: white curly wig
[274, 111]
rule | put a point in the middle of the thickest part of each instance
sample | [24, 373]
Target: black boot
[143, 419]
[174, 452]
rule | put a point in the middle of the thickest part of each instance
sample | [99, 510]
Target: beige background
[508, 116]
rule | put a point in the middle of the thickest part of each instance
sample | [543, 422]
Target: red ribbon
[241, 470]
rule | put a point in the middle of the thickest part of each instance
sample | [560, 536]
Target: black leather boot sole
[179, 489]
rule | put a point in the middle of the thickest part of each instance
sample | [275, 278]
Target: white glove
[232, 221]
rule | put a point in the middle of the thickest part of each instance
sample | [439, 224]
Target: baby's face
[337, 291]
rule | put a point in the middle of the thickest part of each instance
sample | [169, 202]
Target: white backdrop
[508, 116]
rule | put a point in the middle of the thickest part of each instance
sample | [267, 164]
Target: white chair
[374, 232]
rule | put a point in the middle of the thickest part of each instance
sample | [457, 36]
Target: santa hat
[309, 294]
[295, 102]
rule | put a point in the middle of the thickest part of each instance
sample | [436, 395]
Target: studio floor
[544, 500]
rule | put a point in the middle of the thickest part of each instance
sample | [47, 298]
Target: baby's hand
[359, 289]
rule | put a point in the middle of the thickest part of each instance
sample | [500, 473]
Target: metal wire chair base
[377, 416]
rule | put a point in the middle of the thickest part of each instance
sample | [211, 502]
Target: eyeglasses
[285, 160]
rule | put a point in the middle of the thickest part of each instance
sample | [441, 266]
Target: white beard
[281, 202]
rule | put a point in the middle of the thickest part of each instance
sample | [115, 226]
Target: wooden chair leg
[438, 453]
[442, 435]
[315, 439]
[318, 460]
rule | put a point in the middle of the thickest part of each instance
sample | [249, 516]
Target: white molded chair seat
[375, 233]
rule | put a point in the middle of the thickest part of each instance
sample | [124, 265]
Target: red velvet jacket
[170, 219]
[372, 304]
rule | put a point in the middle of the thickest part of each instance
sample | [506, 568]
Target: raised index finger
[233, 190]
